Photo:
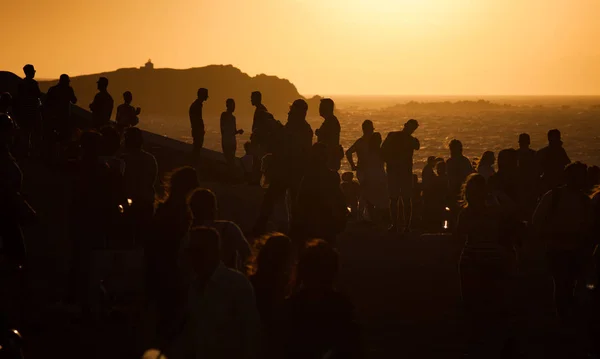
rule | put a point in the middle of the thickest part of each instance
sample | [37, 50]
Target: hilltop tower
[148, 66]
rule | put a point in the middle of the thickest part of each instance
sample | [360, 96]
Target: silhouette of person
[459, 167]
[322, 323]
[235, 250]
[361, 148]
[563, 219]
[374, 186]
[485, 167]
[529, 176]
[220, 319]
[287, 163]
[102, 106]
[141, 172]
[487, 268]
[429, 172]
[260, 132]
[552, 160]
[93, 212]
[351, 190]
[170, 224]
[14, 209]
[228, 132]
[28, 110]
[505, 183]
[59, 98]
[329, 134]
[127, 115]
[398, 150]
[321, 206]
[271, 280]
[197, 121]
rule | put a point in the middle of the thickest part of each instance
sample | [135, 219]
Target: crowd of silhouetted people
[214, 293]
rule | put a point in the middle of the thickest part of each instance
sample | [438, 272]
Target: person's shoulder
[234, 280]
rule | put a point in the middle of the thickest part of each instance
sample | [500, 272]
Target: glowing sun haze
[323, 46]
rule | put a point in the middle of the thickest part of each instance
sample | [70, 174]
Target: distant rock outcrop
[169, 92]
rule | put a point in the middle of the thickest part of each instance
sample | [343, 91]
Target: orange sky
[323, 46]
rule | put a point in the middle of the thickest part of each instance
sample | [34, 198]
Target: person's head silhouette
[576, 175]
[440, 168]
[102, 84]
[203, 205]
[368, 128]
[64, 80]
[326, 107]
[411, 126]
[274, 259]
[202, 94]
[134, 140]
[487, 159]
[474, 191]
[554, 137]
[5, 102]
[524, 140]
[318, 265]
[29, 71]
[256, 98]
[203, 251]
[230, 104]
[299, 109]
[508, 161]
[7, 130]
[127, 97]
[180, 183]
[456, 148]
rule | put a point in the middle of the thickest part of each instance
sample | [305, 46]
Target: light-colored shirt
[222, 320]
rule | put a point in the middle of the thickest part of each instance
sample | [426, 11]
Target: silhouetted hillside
[170, 92]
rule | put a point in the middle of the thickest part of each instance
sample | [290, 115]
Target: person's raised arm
[349, 156]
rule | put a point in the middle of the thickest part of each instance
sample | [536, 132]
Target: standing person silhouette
[273, 267]
[529, 176]
[458, 168]
[28, 110]
[58, 127]
[329, 134]
[397, 151]
[260, 133]
[127, 115]
[102, 106]
[563, 219]
[321, 206]
[228, 132]
[197, 121]
[141, 172]
[289, 159]
[552, 161]
[487, 269]
[361, 148]
[485, 167]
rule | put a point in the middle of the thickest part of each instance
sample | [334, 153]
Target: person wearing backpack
[563, 220]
